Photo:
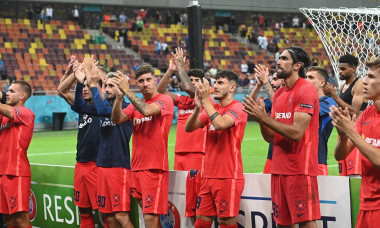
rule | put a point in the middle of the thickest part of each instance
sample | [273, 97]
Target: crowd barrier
[52, 200]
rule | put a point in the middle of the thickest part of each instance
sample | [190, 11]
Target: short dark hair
[198, 73]
[351, 60]
[25, 87]
[321, 71]
[375, 63]
[299, 55]
[144, 69]
[227, 74]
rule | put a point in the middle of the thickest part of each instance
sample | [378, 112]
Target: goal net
[347, 31]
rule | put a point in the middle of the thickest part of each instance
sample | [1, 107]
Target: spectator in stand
[157, 47]
[233, 25]
[164, 48]
[243, 33]
[29, 12]
[251, 67]
[184, 19]
[296, 22]
[123, 35]
[261, 21]
[133, 25]
[43, 15]
[244, 67]
[107, 17]
[49, 13]
[97, 22]
[158, 17]
[168, 17]
[122, 17]
[177, 17]
[142, 14]
[243, 81]
[140, 24]
[75, 14]
[226, 28]
[37, 11]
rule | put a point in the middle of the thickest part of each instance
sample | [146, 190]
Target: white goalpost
[347, 31]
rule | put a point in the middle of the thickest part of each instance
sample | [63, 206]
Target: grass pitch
[59, 148]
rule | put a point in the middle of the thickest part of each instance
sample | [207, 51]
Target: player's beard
[283, 74]
[221, 97]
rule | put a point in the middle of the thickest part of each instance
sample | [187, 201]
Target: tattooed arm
[185, 80]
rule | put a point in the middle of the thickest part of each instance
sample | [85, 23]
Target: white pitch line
[58, 185]
[332, 166]
[42, 154]
[64, 166]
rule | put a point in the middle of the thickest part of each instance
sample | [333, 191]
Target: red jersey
[15, 137]
[368, 127]
[223, 148]
[289, 157]
[150, 135]
[188, 141]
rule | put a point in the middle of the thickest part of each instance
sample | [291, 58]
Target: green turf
[59, 148]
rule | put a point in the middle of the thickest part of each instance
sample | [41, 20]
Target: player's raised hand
[94, 76]
[262, 73]
[197, 101]
[179, 58]
[70, 66]
[342, 120]
[121, 82]
[255, 109]
[203, 90]
[79, 72]
[88, 63]
[172, 66]
[330, 90]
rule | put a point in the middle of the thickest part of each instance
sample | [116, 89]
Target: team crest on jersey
[290, 101]
[149, 199]
[300, 205]
[32, 206]
[351, 164]
[172, 219]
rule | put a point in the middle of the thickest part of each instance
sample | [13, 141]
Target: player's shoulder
[23, 110]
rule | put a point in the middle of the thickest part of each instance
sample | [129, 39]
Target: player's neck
[351, 79]
[291, 80]
[377, 104]
[320, 93]
[150, 96]
[226, 100]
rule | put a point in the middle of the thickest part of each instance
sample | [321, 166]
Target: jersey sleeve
[22, 115]
[103, 107]
[306, 100]
[237, 113]
[165, 103]
[129, 111]
[178, 99]
[324, 106]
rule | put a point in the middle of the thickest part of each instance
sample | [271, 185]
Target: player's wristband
[213, 116]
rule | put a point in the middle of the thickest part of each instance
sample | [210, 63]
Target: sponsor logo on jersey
[86, 120]
[32, 206]
[373, 142]
[107, 123]
[137, 121]
[184, 112]
[283, 115]
[172, 219]
[306, 106]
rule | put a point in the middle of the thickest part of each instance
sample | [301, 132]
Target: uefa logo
[32, 206]
[172, 219]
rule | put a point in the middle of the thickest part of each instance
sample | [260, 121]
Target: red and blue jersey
[325, 127]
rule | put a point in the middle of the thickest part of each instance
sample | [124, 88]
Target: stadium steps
[115, 45]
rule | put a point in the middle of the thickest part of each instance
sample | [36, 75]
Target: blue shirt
[325, 127]
[114, 138]
[88, 129]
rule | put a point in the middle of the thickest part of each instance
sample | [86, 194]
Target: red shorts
[193, 185]
[220, 197]
[14, 194]
[268, 166]
[323, 170]
[113, 188]
[85, 176]
[295, 199]
[152, 187]
[368, 219]
[351, 165]
[190, 160]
